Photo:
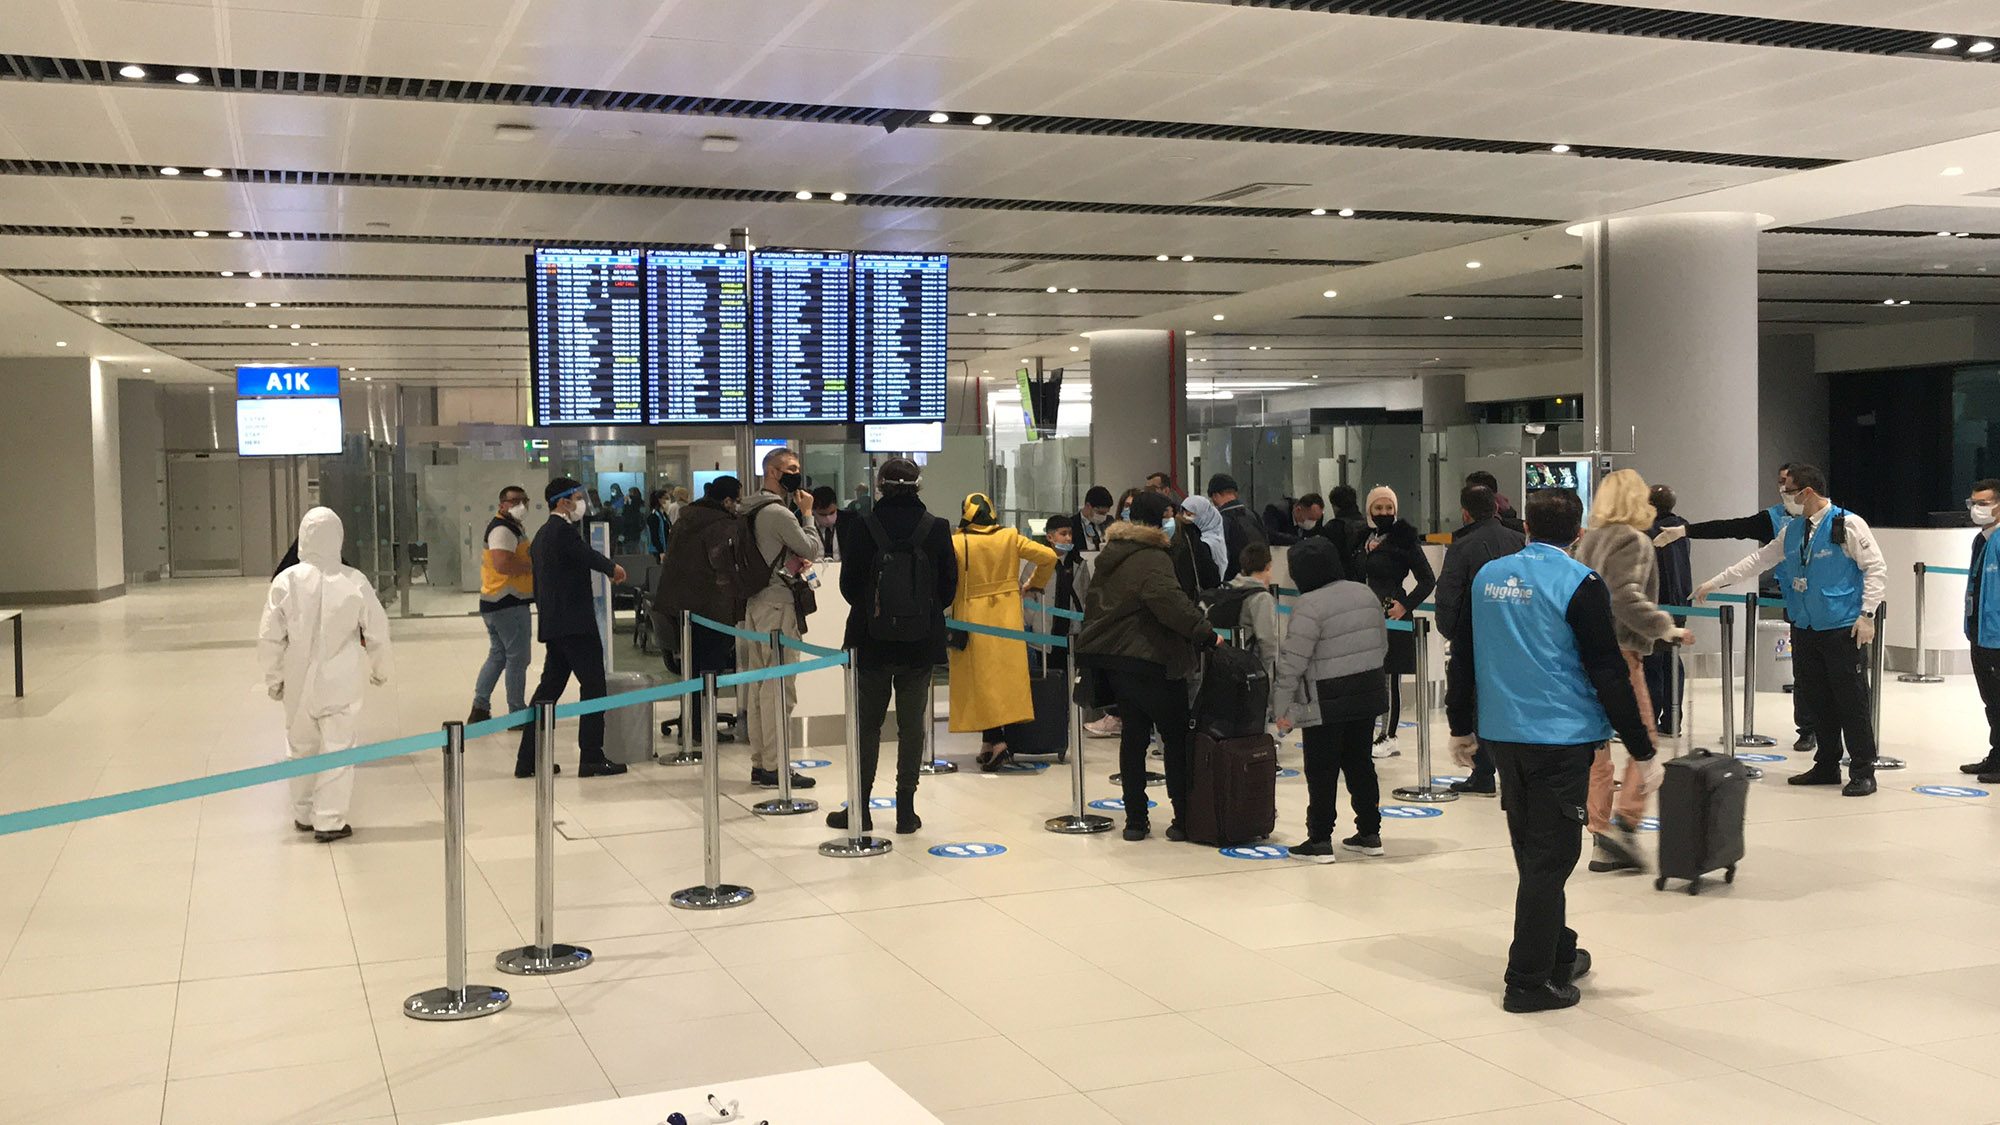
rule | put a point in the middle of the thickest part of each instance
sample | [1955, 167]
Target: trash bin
[1774, 655]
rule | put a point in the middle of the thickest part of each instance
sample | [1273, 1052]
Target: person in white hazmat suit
[324, 634]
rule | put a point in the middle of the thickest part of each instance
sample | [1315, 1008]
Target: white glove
[1683, 637]
[1864, 631]
[276, 691]
[1701, 593]
[1672, 534]
[1463, 746]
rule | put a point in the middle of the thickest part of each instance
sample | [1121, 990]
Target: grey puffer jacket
[1623, 557]
[1337, 633]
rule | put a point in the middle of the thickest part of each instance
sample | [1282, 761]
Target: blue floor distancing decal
[968, 851]
[810, 763]
[1760, 757]
[1023, 767]
[1117, 804]
[1448, 780]
[1410, 812]
[877, 803]
[1949, 791]
[1288, 773]
[1258, 851]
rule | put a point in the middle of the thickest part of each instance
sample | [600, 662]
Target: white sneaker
[1387, 749]
[1110, 726]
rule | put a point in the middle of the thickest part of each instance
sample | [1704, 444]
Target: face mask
[1383, 522]
[577, 511]
[1982, 514]
[1308, 525]
[1062, 548]
[1794, 506]
[1169, 527]
[517, 512]
[791, 482]
[826, 520]
[1125, 513]
[1098, 518]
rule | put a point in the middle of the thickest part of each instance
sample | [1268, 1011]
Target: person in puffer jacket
[1331, 685]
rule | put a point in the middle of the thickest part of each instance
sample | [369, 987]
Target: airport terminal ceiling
[376, 180]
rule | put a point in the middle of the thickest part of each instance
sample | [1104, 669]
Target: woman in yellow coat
[989, 677]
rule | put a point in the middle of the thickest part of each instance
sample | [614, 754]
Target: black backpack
[902, 589]
[1224, 605]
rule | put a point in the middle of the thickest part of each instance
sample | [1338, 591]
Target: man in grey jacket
[1483, 538]
[785, 545]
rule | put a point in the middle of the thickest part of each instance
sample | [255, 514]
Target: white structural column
[59, 448]
[1138, 406]
[1671, 322]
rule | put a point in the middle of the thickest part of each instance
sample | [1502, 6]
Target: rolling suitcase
[1703, 798]
[1048, 731]
[628, 731]
[1232, 792]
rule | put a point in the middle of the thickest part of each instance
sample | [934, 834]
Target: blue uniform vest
[1832, 597]
[1779, 518]
[1532, 687]
[1982, 617]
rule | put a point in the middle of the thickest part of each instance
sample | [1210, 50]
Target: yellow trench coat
[989, 679]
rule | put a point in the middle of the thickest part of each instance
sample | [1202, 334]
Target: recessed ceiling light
[940, 118]
[187, 77]
[1052, 288]
[212, 173]
[270, 326]
[802, 195]
[1160, 257]
[204, 234]
[1449, 318]
[1331, 293]
[1472, 265]
[1944, 43]
[130, 70]
[1072, 288]
[1319, 210]
[294, 326]
[295, 343]
[170, 170]
[982, 119]
[1556, 297]
[229, 273]
[236, 234]
[249, 304]
[1953, 171]
[1944, 234]
[315, 343]
[144, 370]
[992, 314]
[1902, 302]
[722, 246]
[1189, 332]
[274, 304]
[972, 314]
[1982, 47]
[838, 197]
[1187, 257]
[1890, 301]
[62, 343]
[256, 273]
[1963, 234]
[1217, 316]
[1074, 348]
[1347, 212]
[1558, 148]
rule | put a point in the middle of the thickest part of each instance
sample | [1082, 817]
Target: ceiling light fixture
[62, 343]
[1963, 234]
[1347, 212]
[1450, 318]
[1331, 293]
[212, 173]
[236, 234]
[1319, 210]
[1558, 148]
[1902, 302]
[294, 326]
[204, 234]
[1890, 301]
[1472, 265]
[1953, 171]
[1072, 288]
[1217, 316]
[249, 304]
[972, 314]
[1052, 288]
[170, 170]
[187, 78]
[802, 195]
[1074, 348]
[1187, 257]
[270, 326]
[942, 118]
[838, 197]
[1944, 234]
[130, 70]
[256, 273]
[1982, 47]
[145, 371]
[722, 246]
[295, 343]
[992, 314]
[1159, 257]
[229, 273]
[1556, 297]
[274, 304]
[982, 119]
[1944, 43]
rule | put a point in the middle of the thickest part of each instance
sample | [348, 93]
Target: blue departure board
[586, 313]
[698, 336]
[900, 325]
[802, 336]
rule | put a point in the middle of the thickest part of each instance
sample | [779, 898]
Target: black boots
[907, 820]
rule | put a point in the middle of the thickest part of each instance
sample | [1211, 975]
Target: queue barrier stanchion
[1424, 791]
[1923, 674]
[1727, 615]
[546, 956]
[932, 765]
[784, 804]
[713, 894]
[1079, 821]
[1753, 647]
[457, 1000]
[1878, 662]
[857, 843]
[686, 754]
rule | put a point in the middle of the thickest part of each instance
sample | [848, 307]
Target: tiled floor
[201, 962]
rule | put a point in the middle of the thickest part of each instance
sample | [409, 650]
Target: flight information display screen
[698, 336]
[900, 325]
[802, 336]
[586, 311]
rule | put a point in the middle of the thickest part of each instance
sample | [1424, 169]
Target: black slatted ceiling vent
[1646, 23]
[269, 275]
[288, 304]
[155, 326]
[42, 68]
[1863, 232]
[75, 169]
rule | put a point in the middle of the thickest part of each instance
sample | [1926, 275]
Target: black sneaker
[529, 769]
[1318, 851]
[478, 715]
[1366, 845]
[302, 826]
[838, 819]
[1983, 765]
[1806, 744]
[1466, 786]
[1815, 776]
[1610, 854]
[1176, 833]
[1137, 831]
[768, 779]
[1859, 787]
[1572, 972]
[1548, 997]
[1989, 778]
[600, 769]
[340, 833]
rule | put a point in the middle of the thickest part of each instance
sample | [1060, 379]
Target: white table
[854, 1094]
[20, 684]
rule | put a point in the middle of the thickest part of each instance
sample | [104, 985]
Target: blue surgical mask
[1125, 513]
[1062, 548]
[1169, 527]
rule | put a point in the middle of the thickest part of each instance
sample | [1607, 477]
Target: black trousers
[581, 656]
[912, 688]
[1986, 674]
[1659, 670]
[1149, 702]
[1832, 684]
[1333, 749]
[1461, 691]
[1544, 790]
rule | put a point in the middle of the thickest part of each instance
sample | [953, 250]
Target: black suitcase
[1232, 790]
[1234, 698]
[1703, 797]
[1048, 731]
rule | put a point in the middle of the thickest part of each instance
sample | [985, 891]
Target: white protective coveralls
[324, 633]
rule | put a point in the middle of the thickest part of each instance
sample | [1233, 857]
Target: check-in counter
[1944, 596]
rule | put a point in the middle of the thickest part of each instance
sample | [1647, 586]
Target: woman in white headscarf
[1208, 521]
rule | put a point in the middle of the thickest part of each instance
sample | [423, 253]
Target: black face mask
[791, 482]
[1383, 523]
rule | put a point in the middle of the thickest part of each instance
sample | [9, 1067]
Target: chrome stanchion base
[780, 806]
[470, 1002]
[1428, 794]
[852, 847]
[711, 898]
[1074, 825]
[1755, 741]
[937, 766]
[1753, 773]
[534, 961]
[1918, 678]
[679, 759]
[1153, 777]
[1885, 762]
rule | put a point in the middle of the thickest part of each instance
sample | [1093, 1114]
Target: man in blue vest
[1832, 575]
[1552, 688]
[1982, 620]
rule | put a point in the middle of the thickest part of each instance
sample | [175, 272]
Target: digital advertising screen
[801, 336]
[901, 321]
[586, 332]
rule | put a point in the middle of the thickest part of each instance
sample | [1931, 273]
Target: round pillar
[1138, 407]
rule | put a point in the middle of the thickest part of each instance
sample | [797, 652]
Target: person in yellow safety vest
[506, 593]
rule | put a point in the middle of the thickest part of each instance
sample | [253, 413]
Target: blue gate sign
[810, 763]
[1410, 812]
[1760, 757]
[1117, 804]
[877, 803]
[1023, 767]
[1287, 773]
[968, 851]
[1258, 851]
[1950, 791]
[1649, 824]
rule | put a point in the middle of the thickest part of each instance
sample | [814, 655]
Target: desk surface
[854, 1094]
